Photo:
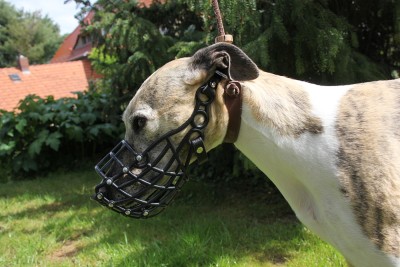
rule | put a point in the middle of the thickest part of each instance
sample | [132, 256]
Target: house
[69, 71]
[75, 46]
[58, 79]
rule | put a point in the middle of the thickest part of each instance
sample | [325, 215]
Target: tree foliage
[326, 41]
[26, 33]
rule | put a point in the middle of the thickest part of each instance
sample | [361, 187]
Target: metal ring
[201, 92]
[204, 115]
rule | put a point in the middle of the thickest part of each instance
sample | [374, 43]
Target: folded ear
[228, 59]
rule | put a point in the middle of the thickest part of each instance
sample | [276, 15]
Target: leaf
[75, 133]
[107, 128]
[94, 131]
[29, 164]
[47, 117]
[53, 140]
[88, 118]
[7, 148]
[75, 120]
[21, 125]
[36, 146]
[35, 116]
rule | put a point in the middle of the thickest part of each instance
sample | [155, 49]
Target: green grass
[52, 222]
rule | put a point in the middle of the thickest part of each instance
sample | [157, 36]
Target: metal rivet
[199, 150]
[233, 89]
[99, 196]
[139, 157]
[213, 84]
[125, 170]
[109, 181]
[127, 212]
[145, 213]
[111, 204]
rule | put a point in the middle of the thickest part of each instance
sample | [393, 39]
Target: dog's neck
[288, 139]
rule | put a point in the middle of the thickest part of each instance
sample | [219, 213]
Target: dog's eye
[138, 123]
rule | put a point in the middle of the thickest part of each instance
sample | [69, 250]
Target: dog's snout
[140, 184]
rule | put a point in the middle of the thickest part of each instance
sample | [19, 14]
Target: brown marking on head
[368, 160]
[281, 104]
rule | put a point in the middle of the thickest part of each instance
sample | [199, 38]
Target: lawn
[51, 221]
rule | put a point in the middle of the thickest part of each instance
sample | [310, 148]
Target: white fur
[304, 171]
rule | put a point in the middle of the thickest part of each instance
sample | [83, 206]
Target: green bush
[43, 133]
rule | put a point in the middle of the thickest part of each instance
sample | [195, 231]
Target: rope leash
[233, 89]
[222, 37]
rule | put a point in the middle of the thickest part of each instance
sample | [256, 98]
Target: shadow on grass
[205, 239]
[201, 228]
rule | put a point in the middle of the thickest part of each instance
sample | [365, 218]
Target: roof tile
[59, 80]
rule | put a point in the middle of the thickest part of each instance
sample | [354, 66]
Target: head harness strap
[233, 99]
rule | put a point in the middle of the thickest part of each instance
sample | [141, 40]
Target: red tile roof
[58, 79]
[66, 51]
[147, 3]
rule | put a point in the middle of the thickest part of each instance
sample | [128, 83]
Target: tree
[29, 34]
[7, 16]
[326, 41]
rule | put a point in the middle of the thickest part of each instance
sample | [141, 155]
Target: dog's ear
[228, 59]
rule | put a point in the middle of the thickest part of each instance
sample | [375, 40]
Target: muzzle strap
[199, 150]
[141, 184]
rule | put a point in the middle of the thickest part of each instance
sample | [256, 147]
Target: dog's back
[368, 129]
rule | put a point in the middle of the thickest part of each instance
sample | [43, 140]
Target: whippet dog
[332, 151]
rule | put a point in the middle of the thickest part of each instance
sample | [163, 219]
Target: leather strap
[233, 101]
[199, 150]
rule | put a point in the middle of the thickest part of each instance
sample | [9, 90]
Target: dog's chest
[305, 169]
[302, 167]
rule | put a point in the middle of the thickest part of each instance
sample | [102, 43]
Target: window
[14, 77]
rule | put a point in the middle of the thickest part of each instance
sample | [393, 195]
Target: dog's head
[159, 122]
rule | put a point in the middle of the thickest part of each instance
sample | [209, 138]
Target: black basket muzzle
[140, 184]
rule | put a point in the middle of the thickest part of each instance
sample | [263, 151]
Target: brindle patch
[287, 109]
[368, 160]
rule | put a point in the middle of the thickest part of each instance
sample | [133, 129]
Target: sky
[60, 13]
